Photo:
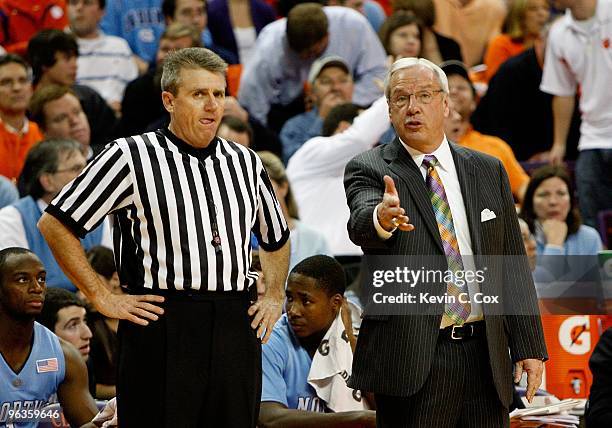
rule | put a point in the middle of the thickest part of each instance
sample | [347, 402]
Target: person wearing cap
[459, 129]
[331, 84]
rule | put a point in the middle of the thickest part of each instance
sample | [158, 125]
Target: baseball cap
[322, 63]
[455, 67]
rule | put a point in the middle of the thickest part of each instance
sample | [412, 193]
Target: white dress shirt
[448, 174]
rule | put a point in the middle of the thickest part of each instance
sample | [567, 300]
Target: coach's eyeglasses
[421, 97]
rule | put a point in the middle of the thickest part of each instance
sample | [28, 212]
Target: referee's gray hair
[413, 62]
[191, 58]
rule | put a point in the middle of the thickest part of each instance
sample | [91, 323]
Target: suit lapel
[402, 164]
[466, 172]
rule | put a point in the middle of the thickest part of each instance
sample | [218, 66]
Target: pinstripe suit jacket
[394, 353]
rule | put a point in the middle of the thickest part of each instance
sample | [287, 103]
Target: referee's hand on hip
[138, 309]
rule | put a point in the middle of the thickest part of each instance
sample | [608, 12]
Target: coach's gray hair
[189, 58]
[413, 62]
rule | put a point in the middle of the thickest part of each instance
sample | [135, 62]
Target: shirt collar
[442, 153]
[189, 149]
[24, 129]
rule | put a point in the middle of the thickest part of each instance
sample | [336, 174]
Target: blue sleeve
[111, 21]
[8, 192]
[370, 65]
[273, 357]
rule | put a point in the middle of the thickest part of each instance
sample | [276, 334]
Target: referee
[183, 204]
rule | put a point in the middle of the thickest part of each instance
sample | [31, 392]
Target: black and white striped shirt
[154, 186]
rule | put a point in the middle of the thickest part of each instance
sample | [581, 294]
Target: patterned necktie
[456, 312]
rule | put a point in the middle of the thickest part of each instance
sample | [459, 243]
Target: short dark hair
[15, 59]
[423, 9]
[102, 260]
[341, 113]
[45, 95]
[43, 47]
[399, 19]
[528, 214]
[5, 254]
[325, 270]
[306, 25]
[56, 299]
[168, 8]
[43, 158]
[238, 125]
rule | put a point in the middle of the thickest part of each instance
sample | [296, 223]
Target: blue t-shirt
[285, 366]
[36, 382]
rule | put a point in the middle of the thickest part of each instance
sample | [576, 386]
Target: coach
[183, 204]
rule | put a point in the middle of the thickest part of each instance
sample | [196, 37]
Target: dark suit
[394, 353]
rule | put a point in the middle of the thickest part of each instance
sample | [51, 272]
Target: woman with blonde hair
[523, 26]
[305, 242]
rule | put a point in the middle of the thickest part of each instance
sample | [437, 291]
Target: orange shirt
[499, 149]
[14, 148]
[501, 48]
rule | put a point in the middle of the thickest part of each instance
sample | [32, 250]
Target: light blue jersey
[36, 382]
[285, 366]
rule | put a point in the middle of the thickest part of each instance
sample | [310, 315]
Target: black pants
[199, 365]
[459, 392]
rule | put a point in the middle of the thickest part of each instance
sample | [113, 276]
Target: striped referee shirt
[154, 187]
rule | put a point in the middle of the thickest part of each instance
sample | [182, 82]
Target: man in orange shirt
[459, 129]
[17, 134]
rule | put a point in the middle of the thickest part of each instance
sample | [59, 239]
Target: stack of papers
[554, 415]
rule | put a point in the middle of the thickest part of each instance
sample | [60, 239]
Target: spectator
[459, 129]
[523, 25]
[17, 133]
[193, 13]
[140, 22]
[305, 241]
[436, 47]
[549, 211]
[402, 35]
[104, 341]
[8, 192]
[105, 63]
[236, 130]
[142, 103]
[50, 165]
[514, 96]
[22, 19]
[235, 24]
[577, 55]
[60, 115]
[316, 309]
[316, 170]
[529, 242]
[271, 85]
[65, 315]
[53, 55]
[472, 23]
[373, 11]
[331, 84]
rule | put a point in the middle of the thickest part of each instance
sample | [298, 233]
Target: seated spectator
[549, 211]
[50, 165]
[22, 19]
[140, 23]
[599, 409]
[8, 192]
[59, 112]
[514, 96]
[234, 129]
[105, 63]
[235, 24]
[529, 242]
[142, 103]
[331, 84]
[305, 241]
[316, 312]
[472, 23]
[402, 35]
[435, 46]
[316, 170]
[65, 315]
[17, 133]
[460, 131]
[193, 13]
[36, 364]
[271, 86]
[104, 341]
[53, 55]
[523, 25]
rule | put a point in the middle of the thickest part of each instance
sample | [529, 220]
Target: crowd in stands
[308, 97]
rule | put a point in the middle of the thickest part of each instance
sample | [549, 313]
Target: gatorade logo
[575, 335]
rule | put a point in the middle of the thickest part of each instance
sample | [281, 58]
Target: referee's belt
[458, 333]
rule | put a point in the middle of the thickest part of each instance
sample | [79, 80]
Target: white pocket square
[486, 215]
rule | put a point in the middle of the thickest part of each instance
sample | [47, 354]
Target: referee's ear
[168, 100]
